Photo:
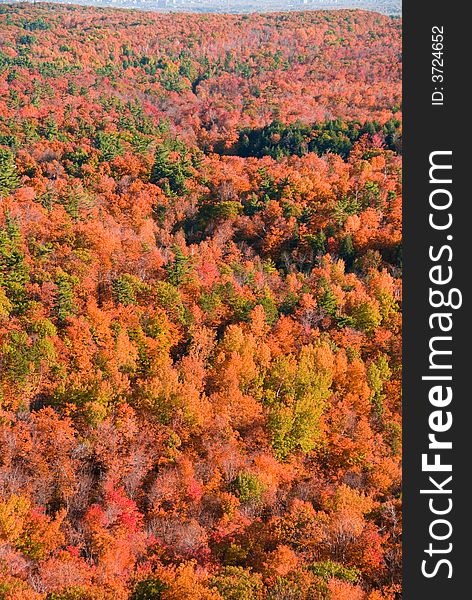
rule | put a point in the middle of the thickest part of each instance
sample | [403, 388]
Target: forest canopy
[200, 305]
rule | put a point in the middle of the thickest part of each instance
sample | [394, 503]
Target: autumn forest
[200, 305]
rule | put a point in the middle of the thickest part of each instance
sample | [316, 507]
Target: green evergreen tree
[347, 252]
[14, 271]
[179, 268]
[109, 145]
[8, 174]
[64, 305]
[248, 487]
[327, 299]
[149, 589]
[172, 166]
[124, 289]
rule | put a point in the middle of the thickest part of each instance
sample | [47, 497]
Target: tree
[64, 304]
[366, 316]
[179, 268]
[149, 589]
[9, 179]
[14, 270]
[347, 252]
[296, 411]
[172, 166]
[236, 583]
[248, 487]
[124, 289]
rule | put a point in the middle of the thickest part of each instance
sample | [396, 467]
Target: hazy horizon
[391, 7]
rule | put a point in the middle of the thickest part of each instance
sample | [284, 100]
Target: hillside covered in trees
[200, 305]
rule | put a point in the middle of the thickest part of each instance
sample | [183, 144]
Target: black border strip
[429, 128]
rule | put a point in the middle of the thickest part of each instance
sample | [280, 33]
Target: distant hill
[390, 7]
